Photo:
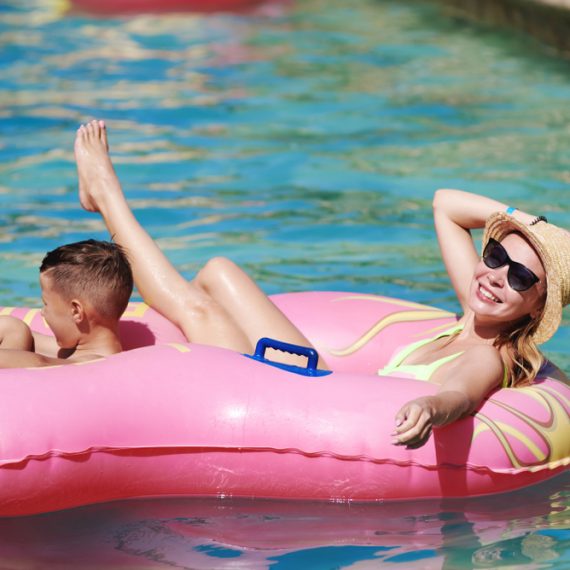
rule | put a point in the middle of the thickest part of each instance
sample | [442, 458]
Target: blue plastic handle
[310, 353]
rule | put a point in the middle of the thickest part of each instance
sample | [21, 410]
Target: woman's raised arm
[455, 214]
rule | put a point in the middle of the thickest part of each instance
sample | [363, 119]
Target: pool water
[525, 529]
[304, 140]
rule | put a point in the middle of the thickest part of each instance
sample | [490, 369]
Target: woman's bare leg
[240, 296]
[222, 306]
[159, 283]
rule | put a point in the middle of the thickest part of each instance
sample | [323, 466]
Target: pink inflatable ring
[168, 418]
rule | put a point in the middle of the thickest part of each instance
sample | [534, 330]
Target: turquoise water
[305, 141]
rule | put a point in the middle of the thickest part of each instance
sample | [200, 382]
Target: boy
[85, 289]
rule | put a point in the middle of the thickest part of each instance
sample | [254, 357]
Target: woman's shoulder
[482, 360]
[478, 370]
[486, 353]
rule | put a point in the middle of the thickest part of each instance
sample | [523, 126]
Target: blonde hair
[523, 360]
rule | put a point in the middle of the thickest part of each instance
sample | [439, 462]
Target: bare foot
[96, 173]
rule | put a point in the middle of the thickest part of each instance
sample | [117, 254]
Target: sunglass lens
[494, 255]
[520, 278]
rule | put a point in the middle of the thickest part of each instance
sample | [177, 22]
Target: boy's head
[95, 273]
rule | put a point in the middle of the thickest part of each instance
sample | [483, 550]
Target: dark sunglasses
[520, 278]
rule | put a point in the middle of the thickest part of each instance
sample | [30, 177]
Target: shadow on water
[511, 529]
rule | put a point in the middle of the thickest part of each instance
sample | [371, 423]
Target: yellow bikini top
[425, 371]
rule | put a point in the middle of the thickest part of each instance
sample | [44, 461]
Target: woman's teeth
[489, 295]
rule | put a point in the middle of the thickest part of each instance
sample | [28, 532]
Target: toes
[96, 129]
[79, 137]
[104, 134]
[93, 131]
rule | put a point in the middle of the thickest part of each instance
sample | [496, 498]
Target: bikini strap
[506, 383]
[400, 356]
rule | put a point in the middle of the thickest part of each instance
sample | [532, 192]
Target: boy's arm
[45, 344]
[10, 358]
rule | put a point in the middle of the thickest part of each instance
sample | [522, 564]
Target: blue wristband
[510, 210]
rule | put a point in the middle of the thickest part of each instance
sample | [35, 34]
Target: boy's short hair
[96, 271]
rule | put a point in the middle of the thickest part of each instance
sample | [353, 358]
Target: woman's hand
[470, 378]
[414, 423]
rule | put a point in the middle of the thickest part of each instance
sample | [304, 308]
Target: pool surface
[303, 140]
[525, 529]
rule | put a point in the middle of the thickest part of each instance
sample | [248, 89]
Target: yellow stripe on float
[29, 317]
[430, 332]
[61, 7]
[500, 430]
[388, 320]
[136, 310]
[179, 347]
[387, 300]
[481, 427]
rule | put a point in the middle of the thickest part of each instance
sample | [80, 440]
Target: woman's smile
[486, 295]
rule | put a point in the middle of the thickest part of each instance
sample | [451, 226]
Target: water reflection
[129, 7]
[491, 532]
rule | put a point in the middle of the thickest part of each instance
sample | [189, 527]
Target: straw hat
[552, 244]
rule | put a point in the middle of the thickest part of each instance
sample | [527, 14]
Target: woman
[512, 298]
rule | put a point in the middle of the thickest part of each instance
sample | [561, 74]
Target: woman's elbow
[440, 198]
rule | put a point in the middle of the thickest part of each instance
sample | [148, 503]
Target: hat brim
[498, 226]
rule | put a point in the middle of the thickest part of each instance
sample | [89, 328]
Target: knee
[199, 312]
[216, 270]
[201, 301]
[15, 334]
[206, 292]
